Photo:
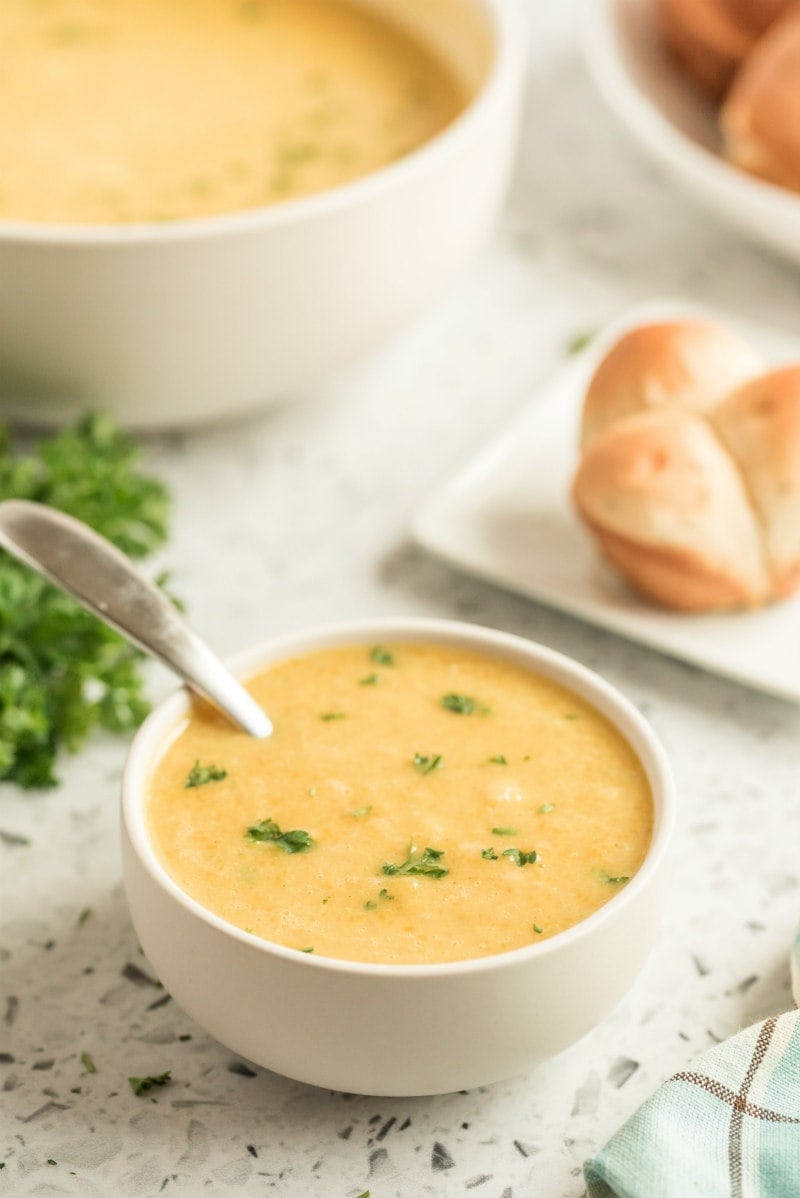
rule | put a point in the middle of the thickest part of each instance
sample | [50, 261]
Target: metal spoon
[77, 559]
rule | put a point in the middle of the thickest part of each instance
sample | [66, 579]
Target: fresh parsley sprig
[63, 672]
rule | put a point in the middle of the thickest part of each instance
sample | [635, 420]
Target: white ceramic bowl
[191, 321]
[402, 1029]
[677, 127]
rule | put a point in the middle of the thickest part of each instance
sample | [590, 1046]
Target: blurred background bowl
[677, 127]
[192, 321]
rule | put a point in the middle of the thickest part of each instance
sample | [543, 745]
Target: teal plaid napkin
[728, 1127]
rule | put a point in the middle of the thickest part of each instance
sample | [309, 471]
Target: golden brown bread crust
[757, 15]
[688, 364]
[668, 507]
[759, 424]
[760, 119]
[678, 580]
[707, 38]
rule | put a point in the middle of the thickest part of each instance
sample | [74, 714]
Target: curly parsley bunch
[62, 671]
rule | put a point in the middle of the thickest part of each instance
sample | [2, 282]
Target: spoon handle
[78, 560]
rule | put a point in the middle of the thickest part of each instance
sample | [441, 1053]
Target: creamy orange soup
[414, 804]
[141, 110]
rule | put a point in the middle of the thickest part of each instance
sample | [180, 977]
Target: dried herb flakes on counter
[140, 1085]
[62, 672]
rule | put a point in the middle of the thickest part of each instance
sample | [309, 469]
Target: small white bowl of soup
[447, 863]
[209, 207]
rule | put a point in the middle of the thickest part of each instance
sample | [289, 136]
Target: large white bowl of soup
[209, 207]
[447, 863]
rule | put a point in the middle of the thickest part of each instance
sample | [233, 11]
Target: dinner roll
[708, 38]
[760, 119]
[759, 424]
[668, 507]
[687, 364]
[690, 479]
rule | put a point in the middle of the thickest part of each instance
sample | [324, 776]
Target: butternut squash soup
[415, 804]
[142, 110]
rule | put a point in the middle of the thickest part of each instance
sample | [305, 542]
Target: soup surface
[142, 110]
[414, 804]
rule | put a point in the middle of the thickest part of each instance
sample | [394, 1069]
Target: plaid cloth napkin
[727, 1128]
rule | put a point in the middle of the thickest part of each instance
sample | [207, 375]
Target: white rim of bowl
[154, 735]
[508, 57]
[664, 141]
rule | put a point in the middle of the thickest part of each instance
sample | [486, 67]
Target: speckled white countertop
[300, 516]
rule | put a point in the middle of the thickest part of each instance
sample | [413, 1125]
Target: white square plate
[507, 517]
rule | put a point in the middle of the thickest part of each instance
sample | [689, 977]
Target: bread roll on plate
[669, 508]
[760, 119]
[688, 364]
[695, 496]
[759, 424]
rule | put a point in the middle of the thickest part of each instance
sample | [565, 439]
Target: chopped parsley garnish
[84, 915]
[372, 904]
[200, 775]
[520, 857]
[463, 705]
[63, 672]
[381, 656]
[615, 881]
[327, 716]
[370, 680]
[306, 950]
[140, 1085]
[571, 715]
[500, 759]
[425, 863]
[88, 1063]
[504, 831]
[50, 1161]
[14, 840]
[538, 929]
[580, 340]
[489, 854]
[267, 831]
[361, 812]
[546, 808]
[426, 765]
